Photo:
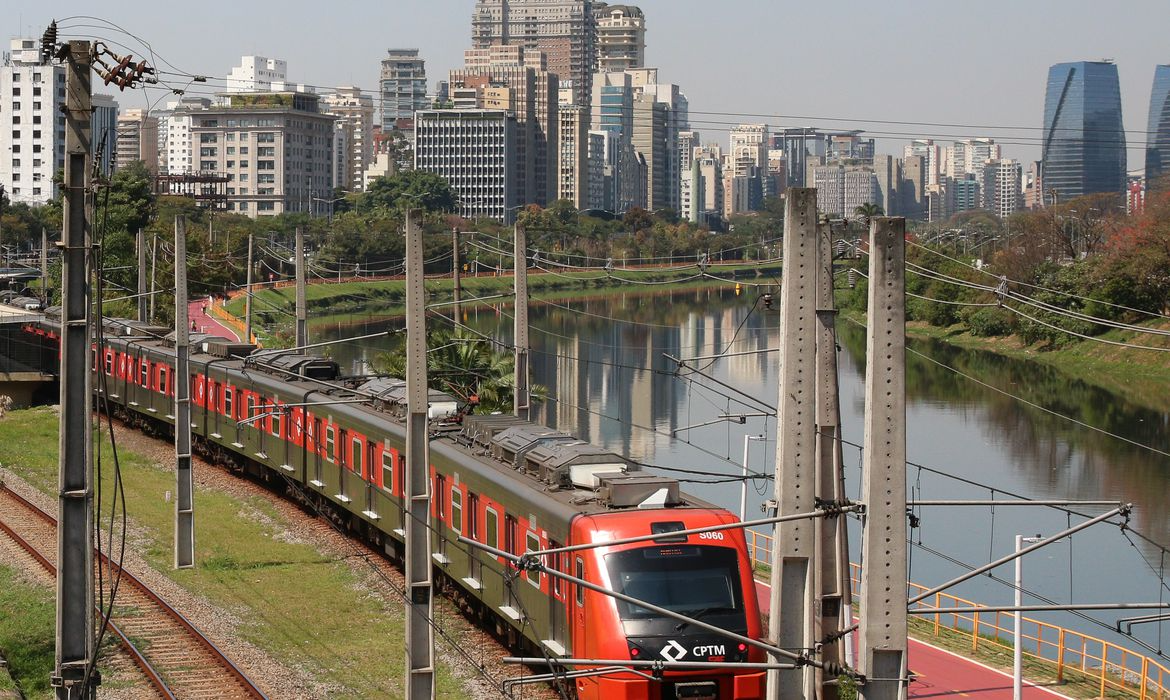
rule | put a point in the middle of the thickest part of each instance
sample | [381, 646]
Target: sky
[964, 66]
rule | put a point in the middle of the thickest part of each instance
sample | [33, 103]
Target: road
[204, 322]
[940, 673]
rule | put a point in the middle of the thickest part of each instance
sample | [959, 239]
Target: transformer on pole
[882, 648]
[790, 621]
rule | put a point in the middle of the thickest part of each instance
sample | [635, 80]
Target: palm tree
[465, 366]
[867, 211]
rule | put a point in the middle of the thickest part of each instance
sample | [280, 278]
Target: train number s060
[718, 535]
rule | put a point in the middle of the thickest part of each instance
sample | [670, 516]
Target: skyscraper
[621, 37]
[355, 113]
[1084, 142]
[1158, 131]
[404, 86]
[32, 125]
[565, 30]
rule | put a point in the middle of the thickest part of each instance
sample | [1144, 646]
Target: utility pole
[153, 271]
[184, 483]
[72, 675]
[44, 267]
[832, 545]
[456, 271]
[420, 636]
[302, 312]
[882, 652]
[142, 295]
[793, 542]
[248, 297]
[522, 402]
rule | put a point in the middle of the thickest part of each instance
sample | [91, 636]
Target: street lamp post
[743, 484]
[1017, 647]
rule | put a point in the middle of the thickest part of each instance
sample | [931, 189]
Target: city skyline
[900, 64]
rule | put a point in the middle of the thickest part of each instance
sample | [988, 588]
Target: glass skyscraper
[1158, 131]
[1084, 142]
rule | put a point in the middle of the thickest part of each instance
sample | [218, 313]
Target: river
[603, 362]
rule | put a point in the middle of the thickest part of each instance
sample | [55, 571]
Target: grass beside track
[307, 610]
[27, 620]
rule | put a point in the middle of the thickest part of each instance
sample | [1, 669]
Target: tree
[868, 210]
[407, 190]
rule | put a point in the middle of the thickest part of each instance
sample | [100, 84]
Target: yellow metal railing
[1112, 667]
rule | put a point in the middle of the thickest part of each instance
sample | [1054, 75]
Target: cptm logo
[673, 651]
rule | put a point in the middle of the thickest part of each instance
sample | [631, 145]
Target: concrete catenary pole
[44, 267]
[456, 275]
[184, 482]
[832, 571]
[153, 272]
[248, 296]
[420, 636]
[882, 647]
[302, 311]
[522, 403]
[791, 614]
[143, 297]
[72, 676]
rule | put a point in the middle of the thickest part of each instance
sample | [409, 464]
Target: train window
[492, 523]
[440, 498]
[580, 573]
[227, 402]
[357, 450]
[277, 419]
[252, 412]
[162, 379]
[532, 544]
[679, 578]
[329, 443]
[109, 363]
[456, 509]
[472, 516]
[144, 374]
[509, 534]
[554, 561]
[388, 470]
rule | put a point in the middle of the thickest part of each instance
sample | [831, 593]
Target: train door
[371, 486]
[578, 606]
[400, 488]
[473, 563]
[316, 454]
[440, 499]
[342, 477]
[510, 527]
[556, 600]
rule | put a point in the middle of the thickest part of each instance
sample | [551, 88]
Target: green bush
[990, 321]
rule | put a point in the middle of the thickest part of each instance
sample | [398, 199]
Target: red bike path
[204, 322]
[941, 673]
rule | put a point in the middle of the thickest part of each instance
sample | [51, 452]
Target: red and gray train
[508, 483]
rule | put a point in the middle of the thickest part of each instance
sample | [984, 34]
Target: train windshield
[683, 578]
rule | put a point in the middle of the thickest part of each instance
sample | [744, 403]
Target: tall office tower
[276, 149]
[565, 30]
[888, 173]
[32, 125]
[1158, 131]
[137, 140]
[355, 113]
[912, 187]
[1034, 186]
[403, 82]
[621, 37]
[829, 181]
[709, 182]
[515, 79]
[257, 74]
[931, 155]
[688, 141]
[748, 158]
[860, 187]
[1002, 192]
[962, 194]
[105, 131]
[1084, 141]
[473, 150]
[967, 157]
[573, 158]
[656, 138]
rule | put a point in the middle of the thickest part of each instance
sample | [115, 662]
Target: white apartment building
[572, 161]
[621, 37]
[474, 151]
[257, 74]
[32, 125]
[355, 116]
[1002, 187]
[178, 157]
[137, 140]
[688, 141]
[276, 149]
[861, 187]
[829, 181]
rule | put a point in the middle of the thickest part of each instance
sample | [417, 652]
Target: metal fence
[1111, 668]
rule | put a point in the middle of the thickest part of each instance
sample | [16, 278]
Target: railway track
[176, 658]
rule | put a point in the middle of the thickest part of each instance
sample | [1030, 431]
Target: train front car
[705, 576]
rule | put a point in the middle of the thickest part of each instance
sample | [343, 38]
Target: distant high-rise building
[276, 149]
[32, 125]
[257, 74]
[104, 131]
[967, 157]
[355, 113]
[962, 194]
[403, 83]
[1158, 130]
[887, 171]
[621, 37]
[137, 140]
[829, 181]
[1002, 190]
[1084, 141]
[179, 156]
[474, 151]
[565, 30]
[688, 141]
[515, 79]
[931, 155]
[912, 187]
[573, 160]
